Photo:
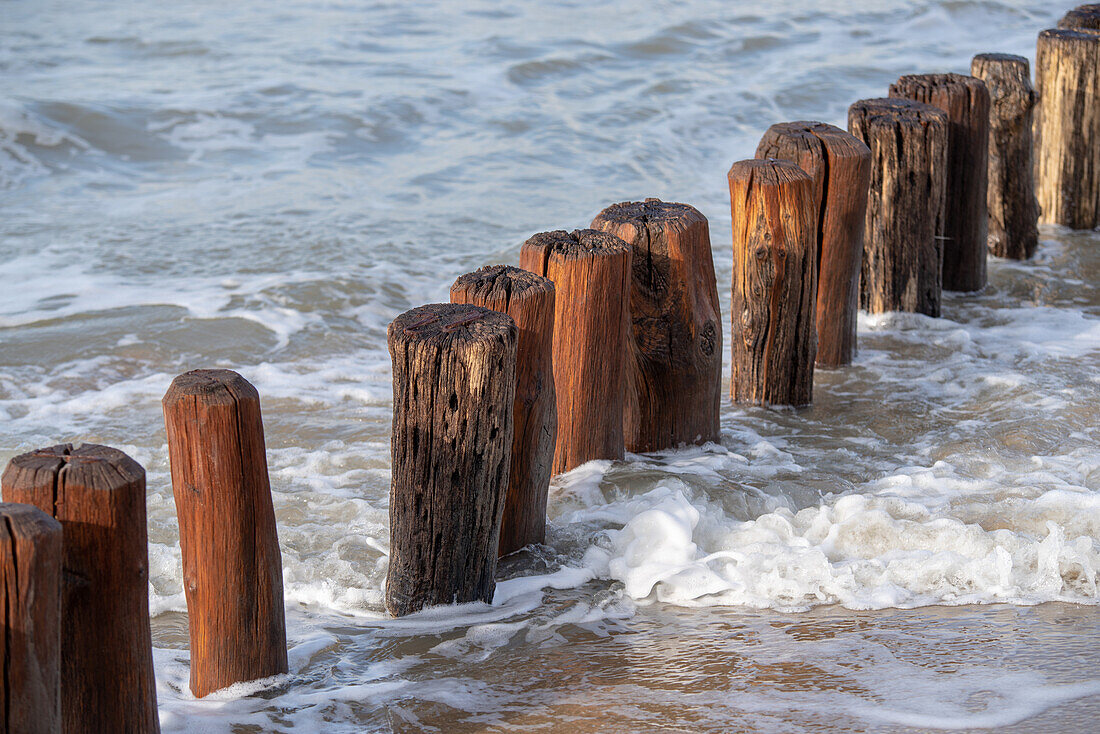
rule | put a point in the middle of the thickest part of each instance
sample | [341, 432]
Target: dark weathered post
[840, 165]
[30, 620]
[1013, 208]
[454, 387]
[966, 217]
[98, 495]
[1082, 18]
[591, 272]
[674, 363]
[232, 567]
[529, 300]
[1067, 78]
[902, 254]
[774, 283]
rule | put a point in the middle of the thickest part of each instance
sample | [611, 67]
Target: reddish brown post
[1013, 208]
[232, 568]
[774, 283]
[30, 613]
[591, 272]
[674, 370]
[840, 165]
[98, 495]
[529, 300]
[966, 217]
[902, 254]
[454, 388]
[1067, 78]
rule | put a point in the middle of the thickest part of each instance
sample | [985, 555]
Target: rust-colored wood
[454, 389]
[529, 299]
[1082, 18]
[966, 217]
[902, 252]
[1067, 128]
[591, 273]
[674, 368]
[840, 165]
[1013, 208]
[774, 340]
[97, 493]
[232, 567]
[30, 613]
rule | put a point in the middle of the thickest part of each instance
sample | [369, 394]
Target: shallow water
[265, 188]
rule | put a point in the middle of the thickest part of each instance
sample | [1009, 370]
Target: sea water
[264, 186]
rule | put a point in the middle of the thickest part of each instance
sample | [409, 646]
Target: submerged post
[674, 363]
[966, 218]
[454, 386]
[30, 620]
[1013, 208]
[98, 495]
[903, 253]
[1067, 78]
[840, 165]
[774, 341]
[232, 567]
[529, 300]
[591, 273]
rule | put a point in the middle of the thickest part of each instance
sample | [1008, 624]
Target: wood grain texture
[674, 364]
[840, 166]
[966, 216]
[98, 495]
[30, 613]
[454, 388]
[591, 272]
[1067, 127]
[529, 299]
[902, 252]
[232, 566]
[1082, 18]
[1013, 208]
[774, 339]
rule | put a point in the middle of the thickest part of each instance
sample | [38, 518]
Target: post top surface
[897, 109]
[456, 322]
[211, 385]
[91, 465]
[649, 211]
[28, 520]
[767, 172]
[503, 281]
[1072, 35]
[577, 244]
[1083, 17]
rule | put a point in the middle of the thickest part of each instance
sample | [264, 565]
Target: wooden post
[98, 495]
[1013, 208]
[1082, 18]
[903, 253]
[529, 300]
[774, 283]
[674, 368]
[232, 568]
[454, 387]
[840, 165]
[966, 217]
[591, 272]
[1067, 78]
[30, 612]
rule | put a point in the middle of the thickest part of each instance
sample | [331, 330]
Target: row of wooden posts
[603, 340]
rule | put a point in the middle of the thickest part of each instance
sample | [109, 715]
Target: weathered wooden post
[30, 620]
[232, 567]
[1013, 208]
[98, 495]
[591, 273]
[1082, 18]
[966, 217]
[774, 283]
[1067, 78]
[840, 165]
[674, 364]
[529, 300]
[903, 253]
[454, 387]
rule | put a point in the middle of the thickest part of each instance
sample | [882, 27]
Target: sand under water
[264, 187]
